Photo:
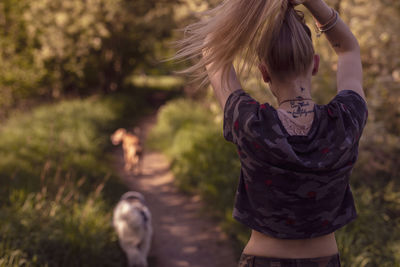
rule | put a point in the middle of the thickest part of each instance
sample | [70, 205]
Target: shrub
[202, 161]
[68, 229]
[57, 186]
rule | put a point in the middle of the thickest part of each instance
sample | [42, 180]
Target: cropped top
[295, 186]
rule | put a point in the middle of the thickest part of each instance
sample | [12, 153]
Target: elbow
[351, 50]
[356, 46]
[352, 47]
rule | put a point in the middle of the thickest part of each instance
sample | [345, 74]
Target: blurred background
[73, 71]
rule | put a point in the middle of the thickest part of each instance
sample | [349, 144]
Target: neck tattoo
[299, 106]
[298, 98]
[299, 109]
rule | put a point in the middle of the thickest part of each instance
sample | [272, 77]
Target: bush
[49, 48]
[172, 118]
[57, 186]
[202, 161]
[69, 229]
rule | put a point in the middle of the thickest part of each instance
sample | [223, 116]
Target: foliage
[52, 47]
[374, 238]
[57, 186]
[177, 115]
[380, 50]
[69, 229]
[202, 161]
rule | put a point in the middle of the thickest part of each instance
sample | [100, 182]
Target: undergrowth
[58, 188]
[190, 134]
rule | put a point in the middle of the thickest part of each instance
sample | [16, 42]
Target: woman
[295, 160]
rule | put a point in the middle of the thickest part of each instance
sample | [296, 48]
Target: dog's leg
[131, 151]
[133, 158]
[128, 165]
[135, 164]
[145, 248]
[139, 165]
[148, 229]
[136, 259]
[138, 161]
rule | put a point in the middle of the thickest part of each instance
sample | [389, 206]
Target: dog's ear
[133, 195]
[121, 131]
[117, 136]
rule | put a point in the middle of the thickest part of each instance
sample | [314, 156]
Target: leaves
[53, 47]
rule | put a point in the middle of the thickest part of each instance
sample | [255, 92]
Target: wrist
[320, 10]
[311, 3]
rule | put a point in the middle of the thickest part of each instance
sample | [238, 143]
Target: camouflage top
[294, 186]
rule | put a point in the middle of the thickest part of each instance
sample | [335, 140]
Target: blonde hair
[270, 31]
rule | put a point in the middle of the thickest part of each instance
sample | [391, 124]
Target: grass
[162, 82]
[190, 134]
[58, 188]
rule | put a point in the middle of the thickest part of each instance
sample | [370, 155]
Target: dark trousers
[256, 261]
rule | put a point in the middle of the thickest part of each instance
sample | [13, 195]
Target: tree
[52, 47]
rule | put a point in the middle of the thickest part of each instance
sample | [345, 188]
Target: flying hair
[254, 31]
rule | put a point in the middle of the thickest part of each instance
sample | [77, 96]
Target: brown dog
[132, 149]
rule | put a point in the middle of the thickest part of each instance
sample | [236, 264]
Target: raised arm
[222, 90]
[345, 44]
[222, 87]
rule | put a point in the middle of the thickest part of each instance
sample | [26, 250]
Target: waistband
[256, 261]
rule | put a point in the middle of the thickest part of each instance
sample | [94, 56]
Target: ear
[316, 64]
[264, 72]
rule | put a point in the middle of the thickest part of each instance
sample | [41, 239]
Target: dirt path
[182, 237]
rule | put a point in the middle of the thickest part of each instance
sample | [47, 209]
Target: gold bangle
[329, 20]
[327, 26]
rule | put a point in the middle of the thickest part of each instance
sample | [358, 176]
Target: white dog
[132, 221]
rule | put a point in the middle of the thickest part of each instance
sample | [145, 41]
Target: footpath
[183, 236]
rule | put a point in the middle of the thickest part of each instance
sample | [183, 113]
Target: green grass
[58, 189]
[190, 134]
[162, 82]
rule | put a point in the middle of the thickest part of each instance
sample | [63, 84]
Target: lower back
[266, 246]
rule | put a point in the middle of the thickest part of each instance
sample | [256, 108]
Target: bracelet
[328, 22]
[327, 26]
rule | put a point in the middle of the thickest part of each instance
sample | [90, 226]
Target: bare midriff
[267, 246]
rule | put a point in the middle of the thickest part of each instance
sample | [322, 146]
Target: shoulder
[243, 115]
[350, 101]
[351, 108]
[243, 99]
[350, 96]
[241, 104]
[235, 96]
